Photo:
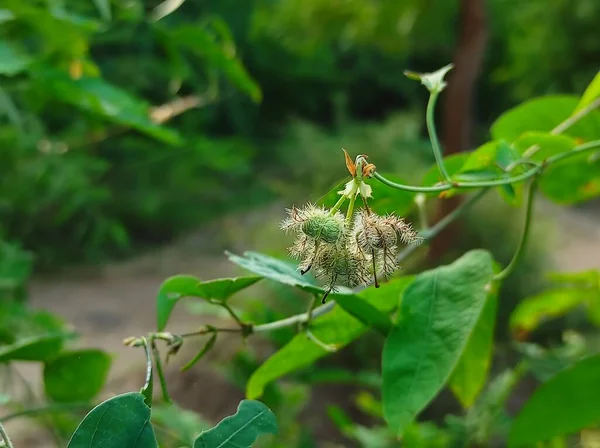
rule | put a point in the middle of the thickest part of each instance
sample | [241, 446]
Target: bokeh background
[141, 139]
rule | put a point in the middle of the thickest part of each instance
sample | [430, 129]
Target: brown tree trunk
[457, 102]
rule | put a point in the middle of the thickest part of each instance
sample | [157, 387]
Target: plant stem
[351, 207]
[160, 372]
[494, 182]
[45, 409]
[232, 314]
[435, 143]
[5, 437]
[521, 247]
[337, 205]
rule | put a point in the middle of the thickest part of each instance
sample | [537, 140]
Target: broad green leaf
[439, 312]
[337, 328]
[580, 173]
[364, 312]
[591, 94]
[471, 372]
[121, 421]
[202, 43]
[279, 271]
[384, 200]
[34, 348]
[104, 99]
[544, 114]
[103, 7]
[12, 59]
[531, 312]
[240, 430]
[180, 286]
[76, 375]
[568, 402]
[549, 144]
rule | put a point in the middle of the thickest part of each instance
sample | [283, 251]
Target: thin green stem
[522, 243]
[161, 373]
[337, 205]
[494, 182]
[5, 437]
[232, 313]
[58, 407]
[435, 143]
[350, 208]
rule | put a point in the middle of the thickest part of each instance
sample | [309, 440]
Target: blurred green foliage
[88, 169]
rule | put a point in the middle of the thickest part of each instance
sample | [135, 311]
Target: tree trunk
[457, 103]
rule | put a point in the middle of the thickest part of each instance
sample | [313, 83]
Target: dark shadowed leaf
[568, 402]
[121, 421]
[76, 375]
[335, 328]
[240, 430]
[438, 314]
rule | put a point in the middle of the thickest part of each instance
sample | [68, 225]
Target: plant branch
[435, 143]
[5, 437]
[522, 243]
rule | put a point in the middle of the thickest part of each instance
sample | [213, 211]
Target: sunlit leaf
[549, 144]
[543, 114]
[582, 175]
[240, 430]
[533, 311]
[439, 312]
[591, 94]
[568, 402]
[12, 59]
[121, 421]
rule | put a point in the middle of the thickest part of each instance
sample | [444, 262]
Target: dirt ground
[107, 304]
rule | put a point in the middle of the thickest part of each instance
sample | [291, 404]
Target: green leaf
[580, 173]
[568, 402]
[76, 375]
[544, 114]
[279, 271]
[470, 374]
[337, 328]
[180, 286]
[121, 421]
[533, 311]
[103, 6]
[453, 165]
[364, 312]
[591, 94]
[185, 425]
[439, 312]
[34, 348]
[106, 100]
[240, 430]
[221, 57]
[549, 144]
[12, 59]
[433, 81]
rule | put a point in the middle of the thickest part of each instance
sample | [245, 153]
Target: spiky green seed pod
[328, 229]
